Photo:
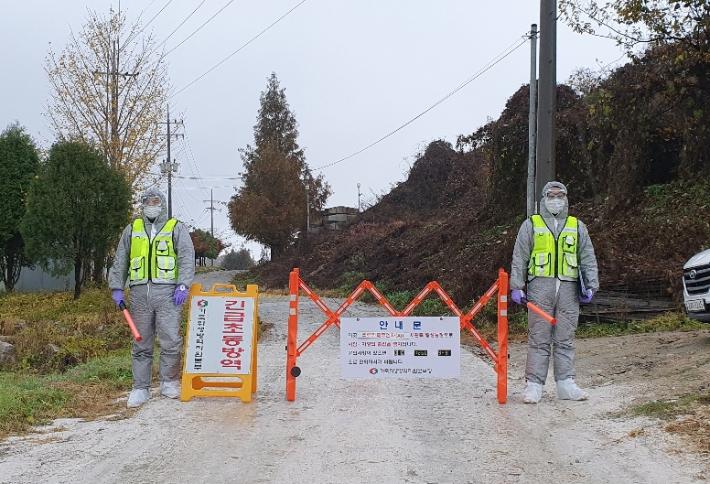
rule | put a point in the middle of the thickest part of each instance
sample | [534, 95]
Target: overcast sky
[354, 72]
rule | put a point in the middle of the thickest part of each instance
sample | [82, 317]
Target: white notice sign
[220, 335]
[400, 347]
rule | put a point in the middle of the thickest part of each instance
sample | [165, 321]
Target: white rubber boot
[532, 393]
[170, 389]
[568, 390]
[138, 397]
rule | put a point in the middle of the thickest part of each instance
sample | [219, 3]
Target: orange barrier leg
[501, 366]
[292, 371]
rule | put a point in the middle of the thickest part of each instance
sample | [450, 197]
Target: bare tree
[109, 89]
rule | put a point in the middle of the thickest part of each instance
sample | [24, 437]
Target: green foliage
[243, 279]
[671, 409]
[19, 162]
[80, 329]
[83, 391]
[26, 401]
[113, 370]
[634, 22]
[432, 305]
[670, 321]
[206, 245]
[238, 260]
[268, 207]
[350, 280]
[77, 208]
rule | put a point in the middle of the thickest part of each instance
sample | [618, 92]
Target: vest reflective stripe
[554, 258]
[162, 268]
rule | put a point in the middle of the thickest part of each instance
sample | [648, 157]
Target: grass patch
[205, 269]
[86, 391]
[673, 408]
[52, 332]
[432, 305]
[243, 279]
[669, 321]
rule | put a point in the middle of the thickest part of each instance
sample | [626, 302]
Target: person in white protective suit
[554, 256]
[156, 257]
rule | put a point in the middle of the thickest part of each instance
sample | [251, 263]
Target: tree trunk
[12, 262]
[276, 252]
[77, 277]
[100, 260]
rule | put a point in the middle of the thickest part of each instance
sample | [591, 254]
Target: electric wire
[149, 22]
[240, 48]
[512, 48]
[181, 24]
[194, 162]
[199, 28]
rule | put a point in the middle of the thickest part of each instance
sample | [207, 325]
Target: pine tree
[76, 209]
[19, 162]
[270, 206]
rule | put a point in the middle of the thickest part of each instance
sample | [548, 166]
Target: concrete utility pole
[212, 209]
[308, 202]
[211, 220]
[112, 90]
[169, 166]
[547, 97]
[532, 122]
[359, 208]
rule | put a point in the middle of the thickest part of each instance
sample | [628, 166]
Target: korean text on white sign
[413, 347]
[221, 333]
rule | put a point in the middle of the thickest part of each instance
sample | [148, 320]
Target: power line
[200, 27]
[512, 48]
[181, 24]
[203, 177]
[149, 22]
[192, 157]
[239, 49]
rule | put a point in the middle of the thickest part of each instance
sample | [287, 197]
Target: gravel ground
[358, 430]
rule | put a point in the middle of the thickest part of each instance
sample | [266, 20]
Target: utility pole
[547, 97]
[532, 126]
[112, 90]
[169, 166]
[307, 181]
[358, 198]
[212, 209]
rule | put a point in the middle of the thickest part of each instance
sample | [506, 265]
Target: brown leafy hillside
[441, 225]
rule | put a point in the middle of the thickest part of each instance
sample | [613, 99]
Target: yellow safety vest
[554, 258]
[156, 261]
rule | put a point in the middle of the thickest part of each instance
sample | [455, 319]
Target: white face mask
[152, 211]
[555, 205]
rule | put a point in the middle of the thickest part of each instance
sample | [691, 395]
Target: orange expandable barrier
[500, 358]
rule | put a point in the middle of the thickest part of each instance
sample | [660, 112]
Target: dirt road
[375, 430]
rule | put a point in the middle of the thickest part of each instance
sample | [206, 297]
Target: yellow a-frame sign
[221, 343]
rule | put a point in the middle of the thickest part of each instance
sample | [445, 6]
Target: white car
[696, 286]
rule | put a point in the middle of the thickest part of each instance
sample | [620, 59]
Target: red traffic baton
[532, 307]
[130, 322]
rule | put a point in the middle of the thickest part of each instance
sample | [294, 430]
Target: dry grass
[694, 428]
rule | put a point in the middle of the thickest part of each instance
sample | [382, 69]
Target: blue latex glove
[118, 297]
[180, 295]
[588, 297]
[517, 295]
